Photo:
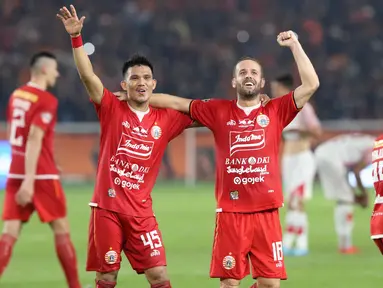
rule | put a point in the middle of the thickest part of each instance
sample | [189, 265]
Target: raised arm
[309, 78]
[73, 26]
[172, 102]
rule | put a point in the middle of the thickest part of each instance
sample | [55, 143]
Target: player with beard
[133, 140]
[248, 184]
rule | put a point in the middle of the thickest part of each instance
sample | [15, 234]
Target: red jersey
[377, 175]
[131, 151]
[247, 151]
[29, 105]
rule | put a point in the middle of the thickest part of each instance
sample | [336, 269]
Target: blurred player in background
[134, 137]
[33, 181]
[335, 158]
[377, 175]
[248, 185]
[298, 169]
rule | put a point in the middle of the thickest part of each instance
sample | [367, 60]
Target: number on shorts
[377, 171]
[277, 251]
[18, 121]
[152, 239]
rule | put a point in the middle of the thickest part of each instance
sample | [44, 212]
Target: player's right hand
[25, 194]
[264, 99]
[72, 24]
[121, 95]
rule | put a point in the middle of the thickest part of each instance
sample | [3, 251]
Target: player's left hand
[25, 194]
[122, 95]
[287, 38]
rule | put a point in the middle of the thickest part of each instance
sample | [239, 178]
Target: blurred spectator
[194, 45]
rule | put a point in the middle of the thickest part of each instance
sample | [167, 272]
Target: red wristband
[76, 41]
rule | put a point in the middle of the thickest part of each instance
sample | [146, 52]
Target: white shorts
[333, 176]
[298, 170]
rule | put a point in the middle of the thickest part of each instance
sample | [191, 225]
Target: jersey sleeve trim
[190, 110]
[102, 98]
[294, 102]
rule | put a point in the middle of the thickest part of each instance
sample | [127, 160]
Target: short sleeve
[107, 104]
[286, 107]
[204, 111]
[45, 114]
[178, 122]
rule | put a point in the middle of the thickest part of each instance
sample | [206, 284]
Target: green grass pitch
[186, 218]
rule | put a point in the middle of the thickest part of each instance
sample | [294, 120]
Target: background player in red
[376, 225]
[134, 137]
[248, 184]
[33, 180]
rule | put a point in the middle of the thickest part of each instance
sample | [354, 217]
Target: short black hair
[247, 58]
[137, 60]
[287, 80]
[39, 55]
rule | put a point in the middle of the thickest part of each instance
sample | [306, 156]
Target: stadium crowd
[194, 45]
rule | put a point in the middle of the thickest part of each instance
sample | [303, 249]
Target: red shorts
[243, 236]
[111, 232]
[48, 200]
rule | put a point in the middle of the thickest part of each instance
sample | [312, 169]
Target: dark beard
[248, 95]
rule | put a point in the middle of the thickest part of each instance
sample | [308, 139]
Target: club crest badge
[263, 120]
[156, 132]
[111, 257]
[228, 262]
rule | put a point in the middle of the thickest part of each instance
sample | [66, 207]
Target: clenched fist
[287, 38]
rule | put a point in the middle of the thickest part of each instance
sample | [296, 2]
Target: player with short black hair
[133, 140]
[33, 181]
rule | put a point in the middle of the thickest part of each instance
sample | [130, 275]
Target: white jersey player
[335, 158]
[298, 169]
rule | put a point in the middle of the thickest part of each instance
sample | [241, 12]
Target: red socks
[67, 256]
[6, 246]
[162, 285]
[65, 252]
[105, 284]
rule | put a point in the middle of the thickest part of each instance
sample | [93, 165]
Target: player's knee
[107, 276]
[60, 226]
[157, 275]
[12, 227]
[229, 283]
[269, 283]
